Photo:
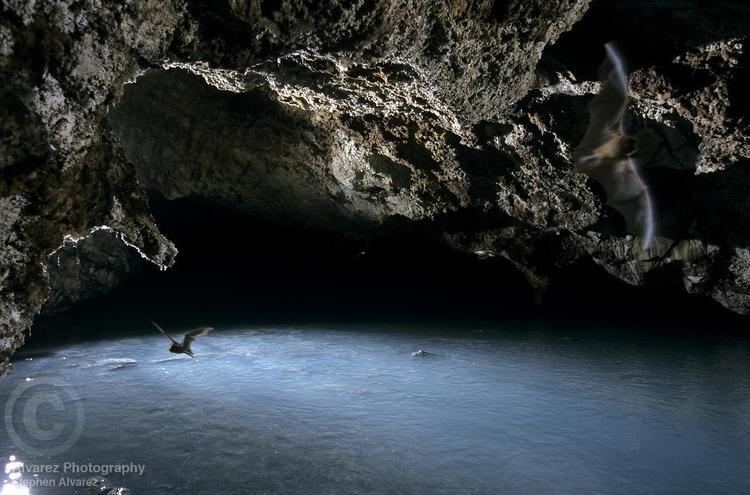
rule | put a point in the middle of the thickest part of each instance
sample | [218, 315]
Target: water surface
[348, 409]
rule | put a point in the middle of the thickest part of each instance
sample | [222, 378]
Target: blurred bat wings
[605, 151]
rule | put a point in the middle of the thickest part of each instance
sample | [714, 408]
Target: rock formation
[353, 115]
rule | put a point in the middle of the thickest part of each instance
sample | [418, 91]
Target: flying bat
[187, 340]
[605, 152]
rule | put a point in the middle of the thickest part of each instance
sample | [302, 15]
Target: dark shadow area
[647, 32]
[236, 270]
[235, 267]
[585, 291]
[722, 203]
[672, 200]
[738, 88]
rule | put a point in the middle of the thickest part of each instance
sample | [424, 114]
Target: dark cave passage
[233, 268]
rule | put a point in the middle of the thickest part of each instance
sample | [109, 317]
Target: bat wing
[628, 194]
[606, 109]
[164, 333]
[195, 333]
[626, 191]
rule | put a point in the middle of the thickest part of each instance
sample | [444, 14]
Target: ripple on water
[319, 410]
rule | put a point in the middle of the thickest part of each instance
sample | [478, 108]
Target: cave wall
[62, 65]
[352, 115]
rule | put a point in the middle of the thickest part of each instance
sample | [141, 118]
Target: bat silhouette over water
[605, 152]
[187, 340]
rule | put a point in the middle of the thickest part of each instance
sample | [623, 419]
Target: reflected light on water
[15, 489]
[14, 471]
